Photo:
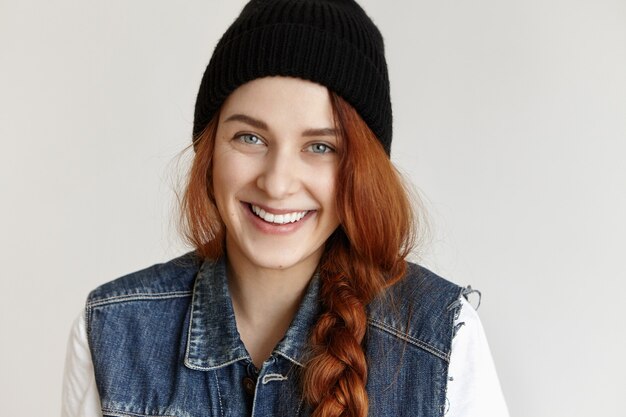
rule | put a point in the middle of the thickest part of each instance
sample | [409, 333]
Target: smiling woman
[296, 299]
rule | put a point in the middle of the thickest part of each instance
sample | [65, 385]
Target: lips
[278, 218]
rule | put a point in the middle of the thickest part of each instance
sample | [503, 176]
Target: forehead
[282, 101]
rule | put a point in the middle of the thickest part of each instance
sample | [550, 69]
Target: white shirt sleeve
[473, 388]
[80, 396]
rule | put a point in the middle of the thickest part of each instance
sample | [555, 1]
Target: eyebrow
[327, 131]
[259, 124]
[247, 120]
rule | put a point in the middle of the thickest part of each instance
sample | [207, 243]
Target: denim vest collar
[213, 339]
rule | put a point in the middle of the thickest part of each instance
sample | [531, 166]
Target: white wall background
[510, 117]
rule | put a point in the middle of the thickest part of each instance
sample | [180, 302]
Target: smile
[283, 218]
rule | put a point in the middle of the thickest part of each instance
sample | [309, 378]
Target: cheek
[222, 180]
[232, 176]
[326, 188]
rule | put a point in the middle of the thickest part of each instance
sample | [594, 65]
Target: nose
[279, 177]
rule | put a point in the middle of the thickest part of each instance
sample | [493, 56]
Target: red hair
[362, 257]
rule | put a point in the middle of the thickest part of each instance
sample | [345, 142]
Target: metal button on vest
[248, 385]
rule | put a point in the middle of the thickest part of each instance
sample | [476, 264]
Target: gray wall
[510, 118]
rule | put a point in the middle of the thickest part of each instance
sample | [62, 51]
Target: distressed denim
[164, 342]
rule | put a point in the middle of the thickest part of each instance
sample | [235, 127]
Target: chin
[278, 262]
[277, 257]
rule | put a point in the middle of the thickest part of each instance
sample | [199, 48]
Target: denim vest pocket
[113, 413]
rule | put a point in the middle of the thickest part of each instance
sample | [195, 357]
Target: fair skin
[274, 179]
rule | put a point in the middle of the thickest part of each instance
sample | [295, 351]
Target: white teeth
[278, 218]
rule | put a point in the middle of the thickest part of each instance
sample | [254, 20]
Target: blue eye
[320, 148]
[250, 139]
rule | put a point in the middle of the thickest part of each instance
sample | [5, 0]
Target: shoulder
[421, 291]
[425, 285]
[419, 309]
[169, 279]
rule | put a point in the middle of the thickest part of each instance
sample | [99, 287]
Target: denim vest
[164, 342]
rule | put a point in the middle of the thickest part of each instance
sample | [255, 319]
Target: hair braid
[338, 368]
[362, 257]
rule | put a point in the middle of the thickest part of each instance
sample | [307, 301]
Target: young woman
[297, 299]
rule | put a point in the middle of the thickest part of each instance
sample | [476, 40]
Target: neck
[260, 295]
[265, 300]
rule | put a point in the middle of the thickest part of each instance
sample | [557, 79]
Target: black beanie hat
[330, 42]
